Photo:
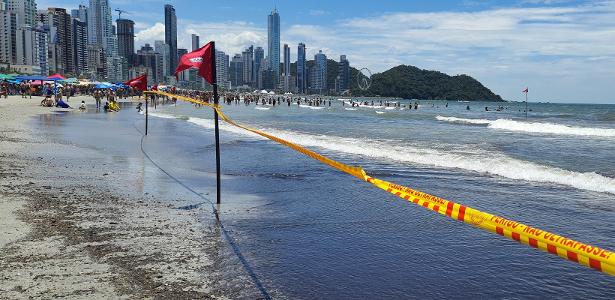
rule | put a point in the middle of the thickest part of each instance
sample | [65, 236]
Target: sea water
[308, 231]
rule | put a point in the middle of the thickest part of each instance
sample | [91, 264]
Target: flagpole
[527, 91]
[216, 100]
[146, 115]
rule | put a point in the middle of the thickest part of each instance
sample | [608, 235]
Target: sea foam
[534, 127]
[486, 163]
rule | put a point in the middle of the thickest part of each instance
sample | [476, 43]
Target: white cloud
[231, 37]
[150, 34]
[562, 52]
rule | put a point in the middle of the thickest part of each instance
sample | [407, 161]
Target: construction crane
[119, 13]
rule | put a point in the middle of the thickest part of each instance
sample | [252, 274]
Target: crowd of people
[288, 100]
[58, 95]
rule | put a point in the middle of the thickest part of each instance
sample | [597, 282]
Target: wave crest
[534, 127]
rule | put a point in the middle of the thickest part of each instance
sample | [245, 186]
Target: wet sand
[69, 229]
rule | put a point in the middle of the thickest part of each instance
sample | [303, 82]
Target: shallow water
[308, 231]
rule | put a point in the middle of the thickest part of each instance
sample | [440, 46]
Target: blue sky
[563, 50]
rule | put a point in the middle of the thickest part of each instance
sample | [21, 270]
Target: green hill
[410, 82]
[413, 83]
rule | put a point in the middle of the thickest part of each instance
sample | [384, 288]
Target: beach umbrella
[31, 77]
[56, 76]
[6, 77]
[104, 85]
[70, 80]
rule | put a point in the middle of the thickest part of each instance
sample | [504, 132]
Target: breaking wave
[534, 127]
[486, 163]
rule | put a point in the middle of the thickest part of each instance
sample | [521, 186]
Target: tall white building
[27, 41]
[32, 46]
[8, 28]
[25, 11]
[320, 73]
[101, 34]
[100, 24]
[163, 49]
[222, 69]
[247, 57]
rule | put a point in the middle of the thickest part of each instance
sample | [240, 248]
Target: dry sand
[65, 233]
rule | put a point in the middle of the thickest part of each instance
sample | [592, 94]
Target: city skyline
[507, 46]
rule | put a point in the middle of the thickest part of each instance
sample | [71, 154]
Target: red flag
[526, 90]
[139, 83]
[201, 59]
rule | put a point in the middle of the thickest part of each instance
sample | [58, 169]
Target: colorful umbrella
[56, 76]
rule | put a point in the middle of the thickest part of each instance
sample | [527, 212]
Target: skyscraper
[163, 49]
[343, 75]
[170, 35]
[80, 14]
[222, 65]
[236, 71]
[273, 38]
[183, 76]
[301, 70]
[320, 74]
[286, 68]
[247, 57]
[102, 38]
[62, 49]
[100, 25]
[80, 46]
[126, 39]
[196, 44]
[25, 11]
[259, 56]
[149, 61]
[8, 28]
[193, 74]
[25, 41]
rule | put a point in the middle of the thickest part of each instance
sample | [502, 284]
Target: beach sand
[67, 230]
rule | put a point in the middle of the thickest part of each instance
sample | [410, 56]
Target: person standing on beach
[4, 90]
[30, 89]
[97, 97]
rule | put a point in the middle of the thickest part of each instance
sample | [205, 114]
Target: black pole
[215, 87]
[146, 115]
[526, 105]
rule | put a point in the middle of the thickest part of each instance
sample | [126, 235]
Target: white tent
[264, 92]
[271, 93]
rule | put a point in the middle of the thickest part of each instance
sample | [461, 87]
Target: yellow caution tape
[587, 255]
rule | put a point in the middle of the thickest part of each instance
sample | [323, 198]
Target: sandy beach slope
[66, 231]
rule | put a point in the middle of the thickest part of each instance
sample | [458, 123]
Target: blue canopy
[32, 77]
[106, 85]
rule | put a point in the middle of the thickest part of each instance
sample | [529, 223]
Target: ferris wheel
[364, 79]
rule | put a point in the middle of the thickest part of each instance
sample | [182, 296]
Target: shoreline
[70, 229]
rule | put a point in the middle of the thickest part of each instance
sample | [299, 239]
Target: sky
[563, 50]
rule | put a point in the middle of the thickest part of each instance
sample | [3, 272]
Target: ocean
[307, 231]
